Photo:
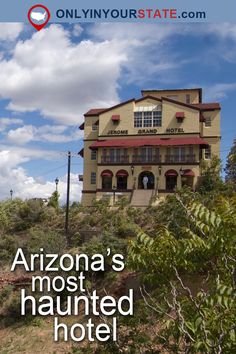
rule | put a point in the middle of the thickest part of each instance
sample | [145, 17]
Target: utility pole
[68, 199]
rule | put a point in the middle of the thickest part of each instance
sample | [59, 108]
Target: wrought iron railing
[146, 159]
[180, 159]
[115, 159]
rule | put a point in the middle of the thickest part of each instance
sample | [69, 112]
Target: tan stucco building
[146, 148]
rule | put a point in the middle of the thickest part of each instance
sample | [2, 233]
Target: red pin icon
[38, 16]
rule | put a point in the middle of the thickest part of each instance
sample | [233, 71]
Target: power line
[52, 170]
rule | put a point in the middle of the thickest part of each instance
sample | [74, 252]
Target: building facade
[146, 148]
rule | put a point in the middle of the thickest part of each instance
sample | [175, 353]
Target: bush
[8, 248]
[50, 241]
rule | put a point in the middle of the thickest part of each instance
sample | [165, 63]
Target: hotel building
[146, 148]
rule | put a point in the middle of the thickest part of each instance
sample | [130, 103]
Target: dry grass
[34, 338]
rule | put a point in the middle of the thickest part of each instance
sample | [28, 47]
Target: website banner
[131, 11]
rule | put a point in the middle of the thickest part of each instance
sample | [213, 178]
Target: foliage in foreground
[201, 319]
[184, 251]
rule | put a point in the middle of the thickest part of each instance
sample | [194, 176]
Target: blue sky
[48, 79]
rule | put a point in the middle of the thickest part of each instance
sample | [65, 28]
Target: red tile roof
[149, 142]
[207, 106]
[94, 112]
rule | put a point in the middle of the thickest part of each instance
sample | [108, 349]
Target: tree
[210, 180]
[231, 164]
[195, 304]
[54, 200]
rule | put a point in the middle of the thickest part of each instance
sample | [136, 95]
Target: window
[146, 154]
[106, 182]
[93, 178]
[188, 98]
[122, 182]
[94, 126]
[157, 118]
[208, 153]
[179, 154]
[93, 155]
[171, 183]
[207, 121]
[147, 119]
[138, 119]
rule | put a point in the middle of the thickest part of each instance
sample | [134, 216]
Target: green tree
[210, 180]
[54, 200]
[230, 168]
[195, 304]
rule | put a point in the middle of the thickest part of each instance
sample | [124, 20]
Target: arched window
[122, 179]
[187, 178]
[106, 179]
[171, 180]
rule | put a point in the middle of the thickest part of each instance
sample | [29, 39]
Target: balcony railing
[146, 159]
[115, 159]
[180, 159]
[124, 159]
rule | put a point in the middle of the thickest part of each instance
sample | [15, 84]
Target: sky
[50, 78]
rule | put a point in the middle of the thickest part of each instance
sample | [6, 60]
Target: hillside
[179, 256]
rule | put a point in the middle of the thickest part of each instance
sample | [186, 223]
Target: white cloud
[61, 79]
[11, 156]
[221, 30]
[10, 31]
[21, 135]
[146, 46]
[13, 176]
[78, 76]
[77, 30]
[6, 122]
[218, 91]
[44, 133]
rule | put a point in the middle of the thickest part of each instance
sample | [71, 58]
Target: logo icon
[38, 16]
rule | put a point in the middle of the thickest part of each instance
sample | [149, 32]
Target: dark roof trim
[81, 153]
[208, 106]
[180, 103]
[81, 127]
[118, 105]
[150, 97]
[100, 111]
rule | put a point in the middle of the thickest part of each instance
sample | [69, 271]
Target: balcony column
[179, 182]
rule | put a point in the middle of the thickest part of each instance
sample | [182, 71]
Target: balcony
[114, 159]
[180, 159]
[146, 159]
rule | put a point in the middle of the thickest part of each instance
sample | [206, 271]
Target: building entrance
[146, 180]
